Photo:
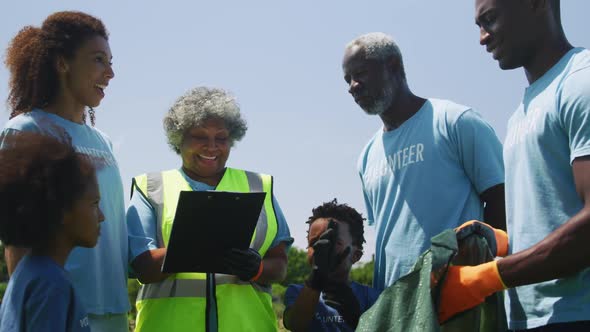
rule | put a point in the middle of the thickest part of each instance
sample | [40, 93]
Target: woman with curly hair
[49, 202]
[57, 71]
[202, 126]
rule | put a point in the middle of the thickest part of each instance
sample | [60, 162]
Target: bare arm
[494, 212]
[298, 317]
[275, 265]
[13, 255]
[563, 252]
[148, 266]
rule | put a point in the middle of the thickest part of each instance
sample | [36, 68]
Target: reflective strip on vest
[190, 287]
[150, 187]
[255, 183]
[155, 192]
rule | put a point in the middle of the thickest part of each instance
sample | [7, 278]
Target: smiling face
[81, 223]
[85, 77]
[370, 81]
[507, 30]
[204, 151]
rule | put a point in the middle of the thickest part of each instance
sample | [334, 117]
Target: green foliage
[278, 291]
[132, 289]
[278, 294]
[2, 289]
[298, 268]
[363, 273]
[3, 268]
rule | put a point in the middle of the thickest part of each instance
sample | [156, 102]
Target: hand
[325, 258]
[497, 239]
[341, 298]
[465, 287]
[246, 264]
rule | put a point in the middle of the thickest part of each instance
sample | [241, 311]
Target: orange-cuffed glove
[465, 287]
[497, 239]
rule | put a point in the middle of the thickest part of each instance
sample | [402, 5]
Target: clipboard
[206, 224]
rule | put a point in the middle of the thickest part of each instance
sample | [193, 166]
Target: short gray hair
[379, 46]
[199, 105]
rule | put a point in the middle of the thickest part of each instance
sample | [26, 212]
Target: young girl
[57, 72]
[49, 202]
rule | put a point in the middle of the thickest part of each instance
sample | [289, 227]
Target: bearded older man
[433, 165]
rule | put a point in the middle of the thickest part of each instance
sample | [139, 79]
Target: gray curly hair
[379, 46]
[199, 105]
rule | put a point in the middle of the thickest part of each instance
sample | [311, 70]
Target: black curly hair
[40, 179]
[33, 52]
[343, 213]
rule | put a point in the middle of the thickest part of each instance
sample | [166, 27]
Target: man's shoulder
[570, 74]
[447, 110]
[378, 134]
[450, 117]
[580, 59]
[578, 70]
[367, 147]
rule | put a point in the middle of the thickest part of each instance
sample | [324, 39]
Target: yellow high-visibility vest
[179, 302]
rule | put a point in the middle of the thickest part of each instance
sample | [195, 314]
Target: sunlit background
[282, 61]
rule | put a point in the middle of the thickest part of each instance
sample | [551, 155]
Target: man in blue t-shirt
[546, 155]
[432, 166]
[329, 301]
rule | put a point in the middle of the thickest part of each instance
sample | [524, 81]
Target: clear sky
[282, 60]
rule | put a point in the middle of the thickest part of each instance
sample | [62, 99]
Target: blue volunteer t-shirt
[424, 177]
[547, 132]
[327, 318]
[141, 221]
[99, 274]
[40, 297]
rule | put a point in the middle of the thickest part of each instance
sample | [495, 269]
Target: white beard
[382, 104]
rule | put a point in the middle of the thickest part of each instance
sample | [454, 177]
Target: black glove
[242, 263]
[340, 297]
[325, 258]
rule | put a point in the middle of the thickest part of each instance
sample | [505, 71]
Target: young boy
[329, 300]
[49, 201]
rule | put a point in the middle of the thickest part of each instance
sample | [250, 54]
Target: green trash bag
[410, 305]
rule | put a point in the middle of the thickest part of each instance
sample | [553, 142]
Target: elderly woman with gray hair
[201, 128]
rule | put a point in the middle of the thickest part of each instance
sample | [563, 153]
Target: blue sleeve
[574, 112]
[367, 296]
[283, 233]
[372, 296]
[361, 170]
[48, 311]
[141, 226]
[480, 151]
[6, 133]
[368, 208]
[291, 294]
